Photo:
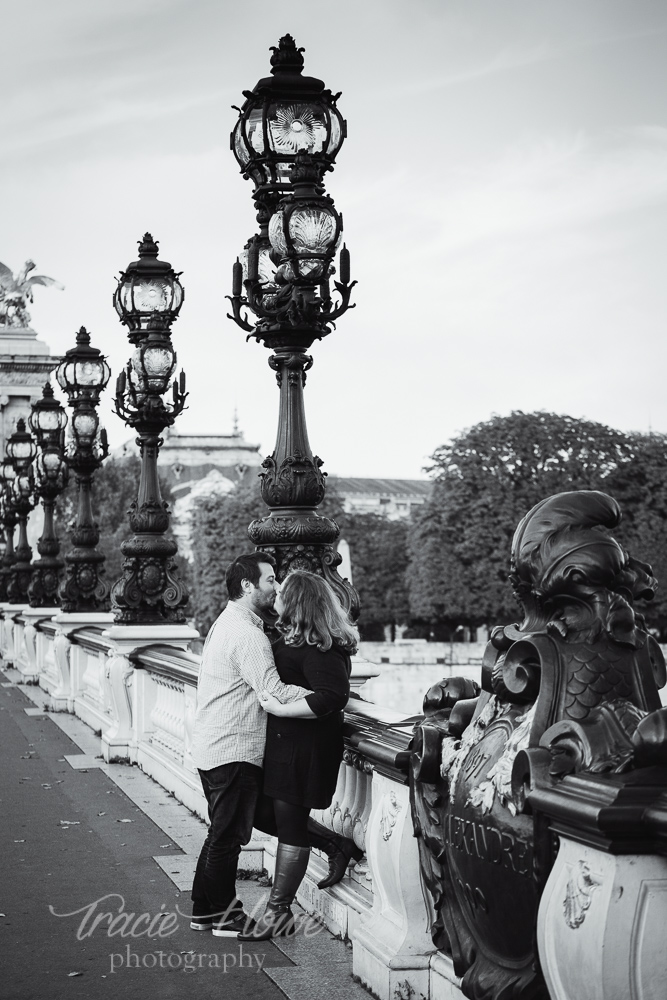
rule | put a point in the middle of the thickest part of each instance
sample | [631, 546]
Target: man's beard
[262, 604]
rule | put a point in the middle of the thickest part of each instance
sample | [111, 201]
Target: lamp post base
[149, 592]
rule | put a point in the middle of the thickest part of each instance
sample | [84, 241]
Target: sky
[503, 188]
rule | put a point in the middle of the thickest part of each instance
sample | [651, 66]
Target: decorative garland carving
[295, 482]
[578, 895]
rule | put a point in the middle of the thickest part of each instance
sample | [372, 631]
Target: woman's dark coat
[302, 756]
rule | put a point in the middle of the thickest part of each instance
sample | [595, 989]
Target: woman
[304, 739]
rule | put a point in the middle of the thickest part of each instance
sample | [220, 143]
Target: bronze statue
[15, 291]
[572, 690]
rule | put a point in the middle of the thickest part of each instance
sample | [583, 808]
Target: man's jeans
[232, 791]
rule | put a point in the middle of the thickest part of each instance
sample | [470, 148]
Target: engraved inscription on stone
[488, 843]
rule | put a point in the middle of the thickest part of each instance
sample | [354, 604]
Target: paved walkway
[82, 839]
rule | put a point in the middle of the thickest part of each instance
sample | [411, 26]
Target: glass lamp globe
[20, 447]
[305, 238]
[149, 295]
[51, 468]
[152, 366]
[286, 114]
[22, 487]
[84, 427]
[266, 267]
[7, 471]
[84, 372]
[48, 418]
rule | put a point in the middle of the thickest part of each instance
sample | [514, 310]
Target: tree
[219, 534]
[379, 559]
[486, 479]
[640, 486]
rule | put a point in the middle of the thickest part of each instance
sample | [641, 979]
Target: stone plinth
[25, 365]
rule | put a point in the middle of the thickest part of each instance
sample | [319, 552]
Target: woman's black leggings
[283, 820]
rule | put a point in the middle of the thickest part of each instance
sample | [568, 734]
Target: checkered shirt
[237, 664]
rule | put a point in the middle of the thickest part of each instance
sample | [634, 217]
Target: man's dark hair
[246, 568]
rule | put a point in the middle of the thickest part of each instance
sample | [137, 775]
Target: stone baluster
[392, 947]
[29, 667]
[62, 695]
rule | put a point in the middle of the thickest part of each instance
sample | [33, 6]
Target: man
[229, 736]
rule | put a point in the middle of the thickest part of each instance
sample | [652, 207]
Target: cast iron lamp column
[148, 299]
[82, 375]
[21, 451]
[47, 422]
[288, 134]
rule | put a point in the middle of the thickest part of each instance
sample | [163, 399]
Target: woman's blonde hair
[313, 614]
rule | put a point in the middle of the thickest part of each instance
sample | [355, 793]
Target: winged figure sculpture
[17, 290]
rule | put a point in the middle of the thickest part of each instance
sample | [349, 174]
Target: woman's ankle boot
[339, 850]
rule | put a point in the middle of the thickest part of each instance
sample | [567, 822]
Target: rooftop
[392, 487]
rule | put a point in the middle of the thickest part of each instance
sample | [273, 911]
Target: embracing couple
[268, 739]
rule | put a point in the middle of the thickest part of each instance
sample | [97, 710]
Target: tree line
[448, 566]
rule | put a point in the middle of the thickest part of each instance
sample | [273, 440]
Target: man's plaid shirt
[237, 664]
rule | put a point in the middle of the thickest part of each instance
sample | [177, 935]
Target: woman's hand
[270, 704]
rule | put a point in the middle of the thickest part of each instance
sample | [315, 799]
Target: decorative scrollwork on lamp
[148, 299]
[288, 135]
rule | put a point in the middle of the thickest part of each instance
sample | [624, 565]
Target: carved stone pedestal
[601, 925]
[393, 947]
[12, 640]
[362, 671]
[27, 663]
[66, 656]
[119, 741]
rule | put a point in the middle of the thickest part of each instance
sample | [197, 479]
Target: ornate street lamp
[148, 299]
[8, 521]
[287, 114]
[47, 422]
[149, 295]
[82, 375]
[21, 451]
[286, 277]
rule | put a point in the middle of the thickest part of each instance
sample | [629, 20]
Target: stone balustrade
[604, 900]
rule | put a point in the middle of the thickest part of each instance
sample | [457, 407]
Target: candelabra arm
[237, 304]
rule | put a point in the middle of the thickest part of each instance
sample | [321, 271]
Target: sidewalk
[82, 839]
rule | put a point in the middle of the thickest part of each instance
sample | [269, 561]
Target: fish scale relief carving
[571, 689]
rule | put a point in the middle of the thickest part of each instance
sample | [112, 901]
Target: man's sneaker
[237, 922]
